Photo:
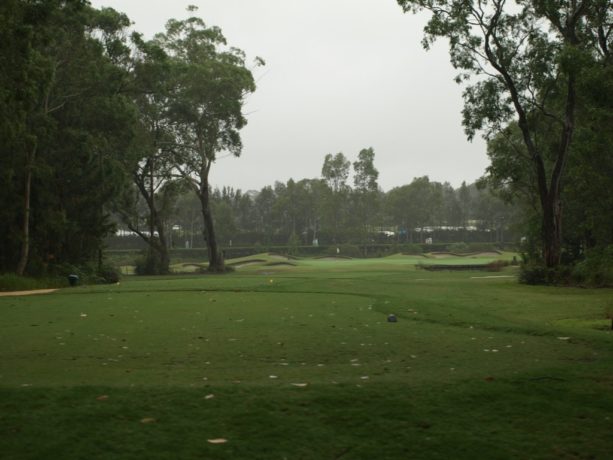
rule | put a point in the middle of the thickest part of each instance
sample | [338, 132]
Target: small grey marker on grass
[392, 318]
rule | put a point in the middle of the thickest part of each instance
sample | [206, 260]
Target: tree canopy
[523, 64]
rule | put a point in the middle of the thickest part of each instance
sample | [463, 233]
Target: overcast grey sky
[340, 75]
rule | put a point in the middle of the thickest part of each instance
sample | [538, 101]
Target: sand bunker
[333, 258]
[33, 292]
[446, 255]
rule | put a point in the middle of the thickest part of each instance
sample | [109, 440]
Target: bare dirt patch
[33, 292]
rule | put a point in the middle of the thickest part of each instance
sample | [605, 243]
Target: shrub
[293, 244]
[497, 265]
[532, 272]
[596, 269]
[148, 263]
[108, 274]
[411, 249]
[458, 248]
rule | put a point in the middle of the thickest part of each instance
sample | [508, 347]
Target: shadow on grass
[547, 418]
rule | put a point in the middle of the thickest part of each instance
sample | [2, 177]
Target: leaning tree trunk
[216, 262]
[158, 244]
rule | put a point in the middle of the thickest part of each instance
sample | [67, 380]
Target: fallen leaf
[102, 397]
[209, 396]
[148, 420]
[217, 441]
[300, 384]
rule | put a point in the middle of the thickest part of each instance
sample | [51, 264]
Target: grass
[12, 282]
[475, 367]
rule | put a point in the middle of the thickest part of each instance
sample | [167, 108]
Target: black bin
[73, 280]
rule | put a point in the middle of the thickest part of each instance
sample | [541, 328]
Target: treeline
[65, 123]
[102, 129]
[344, 206]
[538, 86]
[91, 112]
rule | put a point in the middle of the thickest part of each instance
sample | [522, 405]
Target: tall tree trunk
[216, 262]
[25, 228]
[552, 231]
[161, 245]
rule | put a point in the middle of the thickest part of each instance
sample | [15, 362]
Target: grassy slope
[474, 368]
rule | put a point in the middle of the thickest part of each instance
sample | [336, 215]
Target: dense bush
[411, 249]
[458, 248]
[596, 269]
[497, 265]
[148, 263]
[108, 274]
[532, 272]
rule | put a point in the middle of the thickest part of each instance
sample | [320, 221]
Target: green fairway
[295, 358]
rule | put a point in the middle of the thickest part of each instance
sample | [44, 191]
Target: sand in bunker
[36, 291]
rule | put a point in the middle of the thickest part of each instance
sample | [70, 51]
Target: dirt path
[36, 291]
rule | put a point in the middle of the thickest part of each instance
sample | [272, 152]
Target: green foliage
[335, 171]
[526, 66]
[411, 249]
[69, 123]
[596, 269]
[109, 274]
[293, 244]
[497, 265]
[458, 248]
[535, 273]
[149, 263]
[202, 102]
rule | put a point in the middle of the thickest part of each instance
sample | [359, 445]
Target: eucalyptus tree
[149, 162]
[210, 84]
[366, 189]
[297, 209]
[527, 58]
[335, 172]
[264, 205]
[464, 203]
[412, 206]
